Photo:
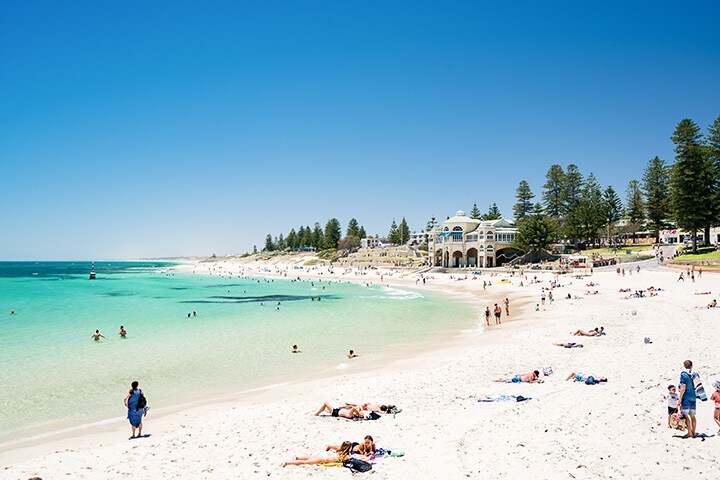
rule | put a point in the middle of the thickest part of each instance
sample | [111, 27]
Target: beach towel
[699, 389]
[504, 398]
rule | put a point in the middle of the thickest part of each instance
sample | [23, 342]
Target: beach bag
[590, 381]
[373, 416]
[142, 403]
[356, 465]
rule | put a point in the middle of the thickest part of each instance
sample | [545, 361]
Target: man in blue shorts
[687, 402]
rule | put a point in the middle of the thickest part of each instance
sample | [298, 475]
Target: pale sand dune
[568, 430]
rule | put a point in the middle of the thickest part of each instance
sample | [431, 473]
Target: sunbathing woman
[595, 332]
[329, 456]
[582, 377]
[375, 407]
[344, 412]
[366, 448]
[530, 377]
[569, 345]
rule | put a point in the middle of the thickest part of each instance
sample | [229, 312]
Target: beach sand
[568, 430]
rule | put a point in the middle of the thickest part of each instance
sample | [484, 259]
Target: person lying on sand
[712, 304]
[344, 412]
[569, 345]
[582, 377]
[531, 377]
[367, 447]
[596, 332]
[592, 292]
[374, 407]
[329, 456]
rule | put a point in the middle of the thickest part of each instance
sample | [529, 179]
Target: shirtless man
[96, 336]
[122, 332]
[352, 354]
[531, 377]
[295, 349]
[344, 412]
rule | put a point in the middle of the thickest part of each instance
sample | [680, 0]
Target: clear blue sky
[134, 129]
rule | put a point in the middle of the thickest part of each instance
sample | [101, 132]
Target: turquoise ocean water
[54, 376]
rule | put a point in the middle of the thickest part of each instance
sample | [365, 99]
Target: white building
[675, 235]
[374, 242]
[464, 242]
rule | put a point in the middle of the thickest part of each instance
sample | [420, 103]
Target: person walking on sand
[688, 401]
[136, 410]
[96, 336]
[681, 277]
[498, 312]
[487, 316]
[507, 307]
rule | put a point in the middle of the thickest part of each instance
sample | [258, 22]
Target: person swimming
[122, 332]
[295, 349]
[352, 354]
[97, 335]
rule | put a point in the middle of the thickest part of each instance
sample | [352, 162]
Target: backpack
[356, 465]
[142, 402]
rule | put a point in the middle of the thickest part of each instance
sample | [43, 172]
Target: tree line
[318, 238]
[578, 210]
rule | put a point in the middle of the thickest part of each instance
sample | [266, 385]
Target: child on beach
[672, 402]
[716, 398]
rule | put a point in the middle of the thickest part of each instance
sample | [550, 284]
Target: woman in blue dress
[135, 415]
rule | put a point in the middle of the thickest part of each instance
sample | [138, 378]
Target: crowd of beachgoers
[502, 400]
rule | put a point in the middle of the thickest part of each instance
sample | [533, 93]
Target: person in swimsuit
[344, 412]
[352, 354]
[581, 377]
[122, 332]
[507, 307]
[716, 398]
[569, 345]
[375, 407]
[487, 316]
[531, 377]
[295, 349]
[366, 448]
[595, 332]
[498, 312]
[329, 456]
[96, 336]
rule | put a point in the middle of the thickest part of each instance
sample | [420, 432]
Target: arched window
[446, 229]
[481, 248]
[457, 229]
[489, 248]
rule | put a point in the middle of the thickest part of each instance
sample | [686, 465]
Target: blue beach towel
[135, 415]
[504, 398]
[699, 389]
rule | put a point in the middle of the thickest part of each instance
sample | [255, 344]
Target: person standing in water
[96, 336]
[122, 332]
[135, 412]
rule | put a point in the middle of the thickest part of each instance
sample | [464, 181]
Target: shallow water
[55, 376]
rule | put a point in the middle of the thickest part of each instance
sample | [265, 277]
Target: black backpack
[142, 402]
[356, 465]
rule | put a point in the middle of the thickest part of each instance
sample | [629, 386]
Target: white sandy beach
[568, 430]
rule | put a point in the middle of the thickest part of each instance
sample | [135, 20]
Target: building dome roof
[460, 213]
